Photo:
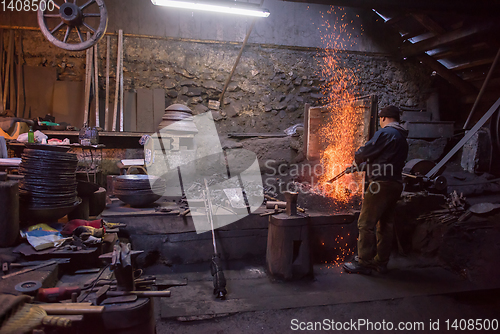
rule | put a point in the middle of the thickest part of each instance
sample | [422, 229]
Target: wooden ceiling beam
[446, 38]
[429, 23]
[450, 76]
[462, 51]
[472, 64]
[458, 6]
[412, 34]
[396, 19]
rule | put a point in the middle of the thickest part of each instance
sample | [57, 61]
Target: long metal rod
[466, 138]
[210, 217]
[106, 109]
[221, 100]
[483, 88]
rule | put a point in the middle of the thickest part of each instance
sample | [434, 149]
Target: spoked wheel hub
[60, 22]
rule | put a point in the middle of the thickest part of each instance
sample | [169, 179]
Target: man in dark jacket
[385, 156]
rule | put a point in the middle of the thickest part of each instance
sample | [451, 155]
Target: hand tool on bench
[52, 295]
[28, 317]
[48, 263]
[281, 204]
[276, 211]
[165, 293]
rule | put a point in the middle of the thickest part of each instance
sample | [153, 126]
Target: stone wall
[267, 92]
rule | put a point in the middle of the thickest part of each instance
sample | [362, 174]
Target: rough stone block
[428, 150]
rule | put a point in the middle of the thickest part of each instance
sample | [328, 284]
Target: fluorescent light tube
[230, 7]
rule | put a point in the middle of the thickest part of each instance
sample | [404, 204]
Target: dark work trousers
[377, 210]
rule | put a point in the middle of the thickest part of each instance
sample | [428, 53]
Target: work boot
[381, 268]
[356, 268]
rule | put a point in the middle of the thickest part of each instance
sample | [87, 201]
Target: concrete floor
[484, 305]
[257, 305]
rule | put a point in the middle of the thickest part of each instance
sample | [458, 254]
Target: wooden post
[20, 77]
[88, 74]
[120, 36]
[221, 99]
[1, 71]
[483, 88]
[7, 69]
[96, 85]
[117, 86]
[106, 109]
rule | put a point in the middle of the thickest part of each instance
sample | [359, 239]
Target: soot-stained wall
[190, 55]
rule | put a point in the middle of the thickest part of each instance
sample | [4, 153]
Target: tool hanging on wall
[73, 17]
[215, 265]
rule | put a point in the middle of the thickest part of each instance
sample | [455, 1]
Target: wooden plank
[394, 20]
[130, 111]
[1, 64]
[412, 34]
[158, 106]
[12, 81]
[68, 102]
[447, 38]
[10, 52]
[472, 64]
[261, 135]
[429, 23]
[106, 108]
[447, 6]
[482, 46]
[448, 75]
[40, 82]
[145, 113]
[120, 41]
[96, 85]
[483, 88]
[117, 88]
[88, 75]
[20, 75]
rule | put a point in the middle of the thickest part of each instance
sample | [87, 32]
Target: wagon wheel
[73, 18]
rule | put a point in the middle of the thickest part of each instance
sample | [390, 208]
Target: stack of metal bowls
[178, 118]
[48, 189]
[139, 190]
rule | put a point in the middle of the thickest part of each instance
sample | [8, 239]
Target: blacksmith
[385, 156]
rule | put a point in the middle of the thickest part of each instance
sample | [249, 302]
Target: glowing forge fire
[340, 133]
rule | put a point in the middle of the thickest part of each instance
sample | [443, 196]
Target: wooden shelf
[101, 133]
